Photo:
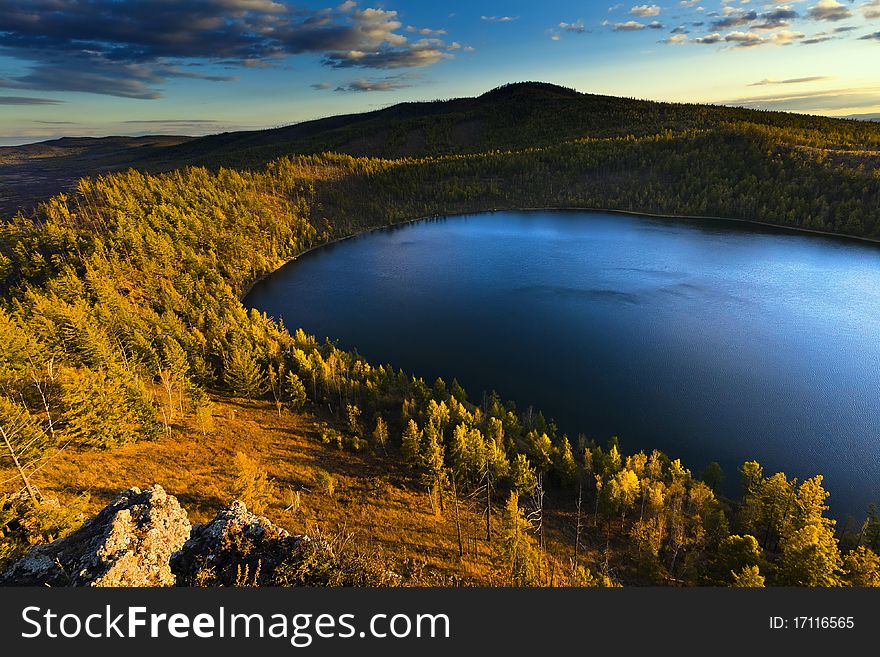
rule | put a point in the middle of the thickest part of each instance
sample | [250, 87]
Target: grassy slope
[379, 508]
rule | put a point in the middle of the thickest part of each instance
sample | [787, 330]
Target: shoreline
[679, 217]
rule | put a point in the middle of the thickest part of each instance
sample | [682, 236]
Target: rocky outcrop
[129, 543]
[237, 548]
[144, 538]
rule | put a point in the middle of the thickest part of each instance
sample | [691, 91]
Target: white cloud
[629, 26]
[645, 10]
[829, 10]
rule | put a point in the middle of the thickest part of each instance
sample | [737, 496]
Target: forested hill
[517, 116]
[514, 116]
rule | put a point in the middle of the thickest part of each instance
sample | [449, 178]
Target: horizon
[213, 66]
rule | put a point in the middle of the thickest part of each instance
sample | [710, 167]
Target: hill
[512, 117]
[34, 172]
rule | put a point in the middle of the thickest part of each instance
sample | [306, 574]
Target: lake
[710, 340]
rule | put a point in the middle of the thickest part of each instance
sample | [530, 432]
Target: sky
[194, 67]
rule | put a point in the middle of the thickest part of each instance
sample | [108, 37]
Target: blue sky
[101, 67]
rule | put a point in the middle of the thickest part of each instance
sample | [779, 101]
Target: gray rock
[129, 543]
[237, 548]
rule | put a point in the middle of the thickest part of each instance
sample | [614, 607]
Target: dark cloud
[391, 83]
[418, 54]
[131, 49]
[25, 100]
[815, 39]
[778, 18]
[734, 19]
[875, 36]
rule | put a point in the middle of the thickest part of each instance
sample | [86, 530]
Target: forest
[122, 323]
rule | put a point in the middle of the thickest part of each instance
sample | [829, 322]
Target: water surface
[709, 340]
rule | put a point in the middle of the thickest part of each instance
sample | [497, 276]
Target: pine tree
[748, 577]
[564, 464]
[243, 375]
[861, 567]
[96, 411]
[294, 392]
[411, 445]
[518, 549]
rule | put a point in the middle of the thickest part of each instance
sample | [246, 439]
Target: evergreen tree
[243, 375]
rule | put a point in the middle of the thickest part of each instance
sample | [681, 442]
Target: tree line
[122, 308]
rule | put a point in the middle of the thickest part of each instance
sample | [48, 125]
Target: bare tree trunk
[27, 484]
[457, 521]
[50, 373]
[488, 508]
[577, 531]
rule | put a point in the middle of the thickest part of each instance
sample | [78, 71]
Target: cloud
[425, 31]
[874, 36]
[172, 121]
[870, 10]
[734, 19]
[779, 17]
[26, 100]
[832, 99]
[419, 54]
[785, 37]
[745, 39]
[765, 82]
[645, 10]
[829, 10]
[675, 38]
[656, 25]
[577, 26]
[321, 86]
[391, 83]
[628, 26]
[499, 19]
[101, 46]
[709, 39]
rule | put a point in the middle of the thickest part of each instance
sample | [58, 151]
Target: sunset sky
[101, 67]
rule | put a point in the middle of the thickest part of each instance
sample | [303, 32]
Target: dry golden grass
[374, 500]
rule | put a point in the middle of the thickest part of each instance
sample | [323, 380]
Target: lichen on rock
[129, 543]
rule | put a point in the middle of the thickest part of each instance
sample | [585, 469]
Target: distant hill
[512, 117]
[33, 172]
[865, 117]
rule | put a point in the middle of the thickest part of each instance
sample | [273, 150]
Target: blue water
[709, 340]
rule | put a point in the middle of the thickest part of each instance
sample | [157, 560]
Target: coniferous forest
[123, 329]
